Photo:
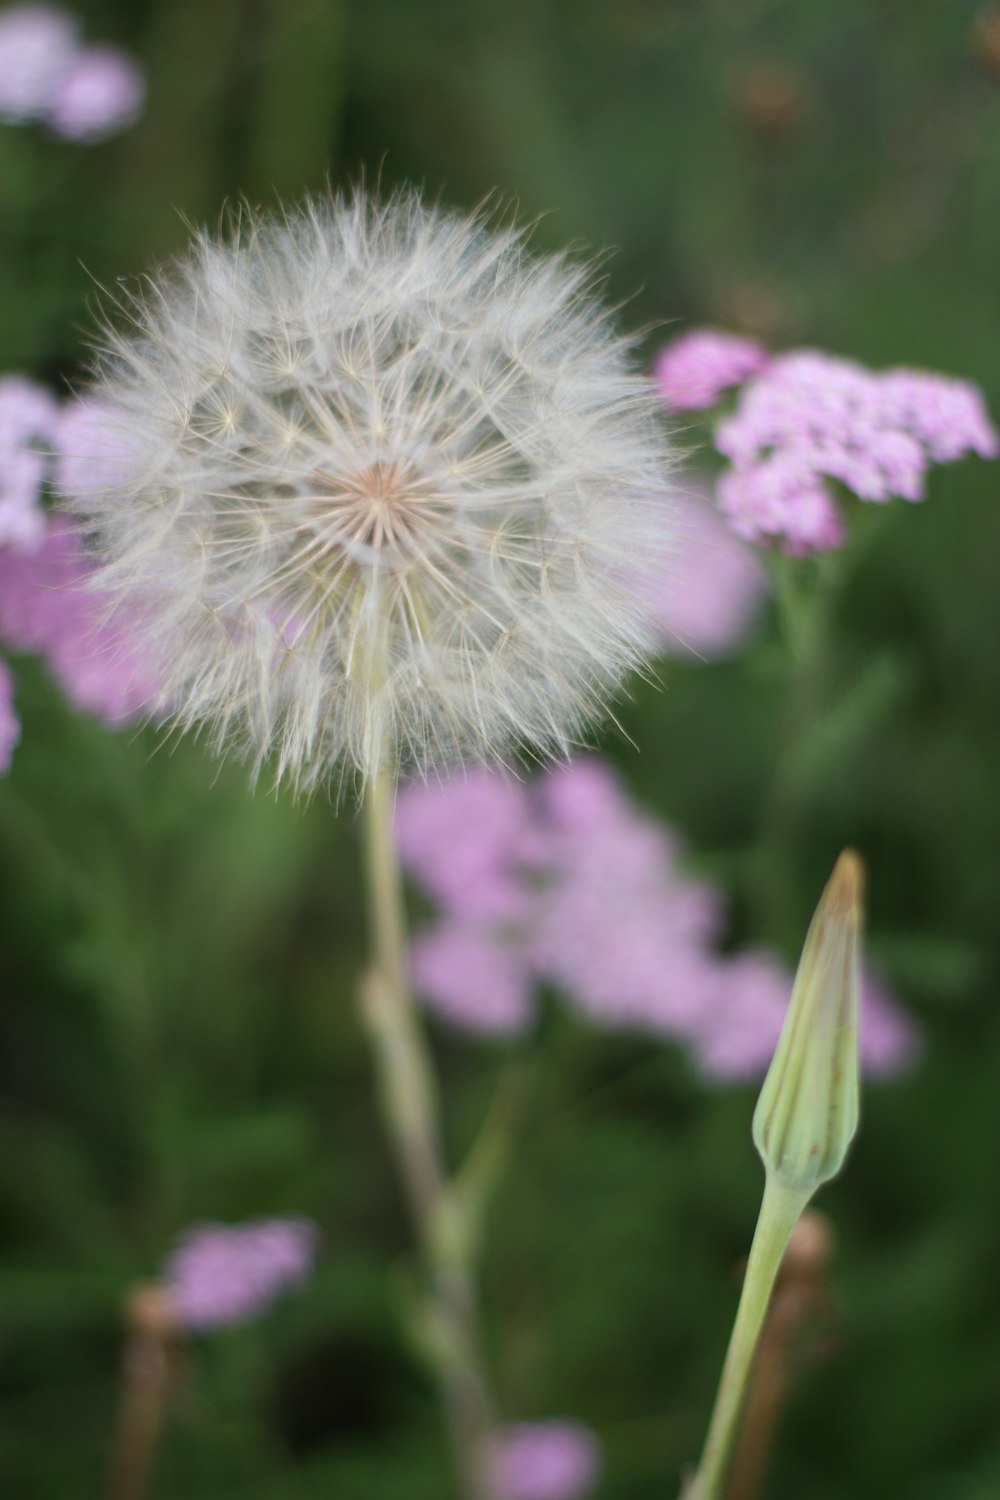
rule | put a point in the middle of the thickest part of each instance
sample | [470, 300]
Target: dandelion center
[383, 513]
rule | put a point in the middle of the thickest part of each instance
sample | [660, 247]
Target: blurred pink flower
[715, 585]
[94, 448]
[28, 417]
[101, 95]
[741, 1029]
[810, 417]
[890, 1039]
[551, 1460]
[582, 891]
[37, 47]
[467, 846]
[231, 1273]
[474, 978]
[46, 607]
[694, 369]
[10, 727]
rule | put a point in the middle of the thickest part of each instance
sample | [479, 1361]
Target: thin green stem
[411, 1108]
[779, 1213]
[804, 607]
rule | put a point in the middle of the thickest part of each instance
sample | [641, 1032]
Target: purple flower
[552, 1460]
[572, 886]
[809, 418]
[101, 95]
[694, 370]
[10, 727]
[94, 448]
[476, 980]
[231, 1273]
[740, 1030]
[467, 848]
[28, 417]
[47, 607]
[715, 585]
[781, 497]
[37, 47]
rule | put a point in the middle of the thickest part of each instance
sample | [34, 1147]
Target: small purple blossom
[28, 418]
[101, 95]
[46, 606]
[551, 1460]
[714, 586]
[94, 448]
[477, 982]
[753, 992]
[467, 849]
[694, 369]
[564, 883]
[809, 417]
[37, 47]
[10, 726]
[231, 1273]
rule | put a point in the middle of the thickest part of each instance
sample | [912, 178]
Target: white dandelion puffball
[382, 481]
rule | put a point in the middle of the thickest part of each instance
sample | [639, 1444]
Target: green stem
[804, 612]
[411, 1108]
[779, 1212]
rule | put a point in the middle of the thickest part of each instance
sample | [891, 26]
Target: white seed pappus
[386, 484]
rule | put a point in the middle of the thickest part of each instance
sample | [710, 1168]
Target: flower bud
[807, 1112]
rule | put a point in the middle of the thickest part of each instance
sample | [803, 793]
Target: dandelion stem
[779, 1212]
[411, 1108]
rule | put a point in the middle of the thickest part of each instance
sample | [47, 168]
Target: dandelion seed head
[390, 477]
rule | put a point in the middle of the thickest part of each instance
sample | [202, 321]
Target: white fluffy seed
[385, 485]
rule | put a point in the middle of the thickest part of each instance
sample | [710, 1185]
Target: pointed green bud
[807, 1112]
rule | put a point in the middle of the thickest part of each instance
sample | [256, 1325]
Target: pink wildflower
[552, 1460]
[101, 95]
[715, 585]
[810, 417]
[740, 1030]
[10, 728]
[581, 891]
[230, 1273]
[37, 47]
[694, 370]
[467, 847]
[28, 415]
[474, 978]
[47, 607]
[94, 449]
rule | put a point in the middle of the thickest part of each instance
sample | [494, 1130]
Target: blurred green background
[178, 957]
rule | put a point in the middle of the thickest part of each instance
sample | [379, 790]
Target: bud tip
[846, 888]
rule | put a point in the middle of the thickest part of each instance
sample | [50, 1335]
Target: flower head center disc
[383, 514]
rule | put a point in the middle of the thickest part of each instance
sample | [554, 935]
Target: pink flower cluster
[561, 881]
[46, 605]
[551, 1460]
[713, 585]
[806, 418]
[693, 370]
[231, 1273]
[47, 74]
[29, 418]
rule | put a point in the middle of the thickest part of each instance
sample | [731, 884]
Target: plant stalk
[779, 1212]
[411, 1109]
[148, 1376]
